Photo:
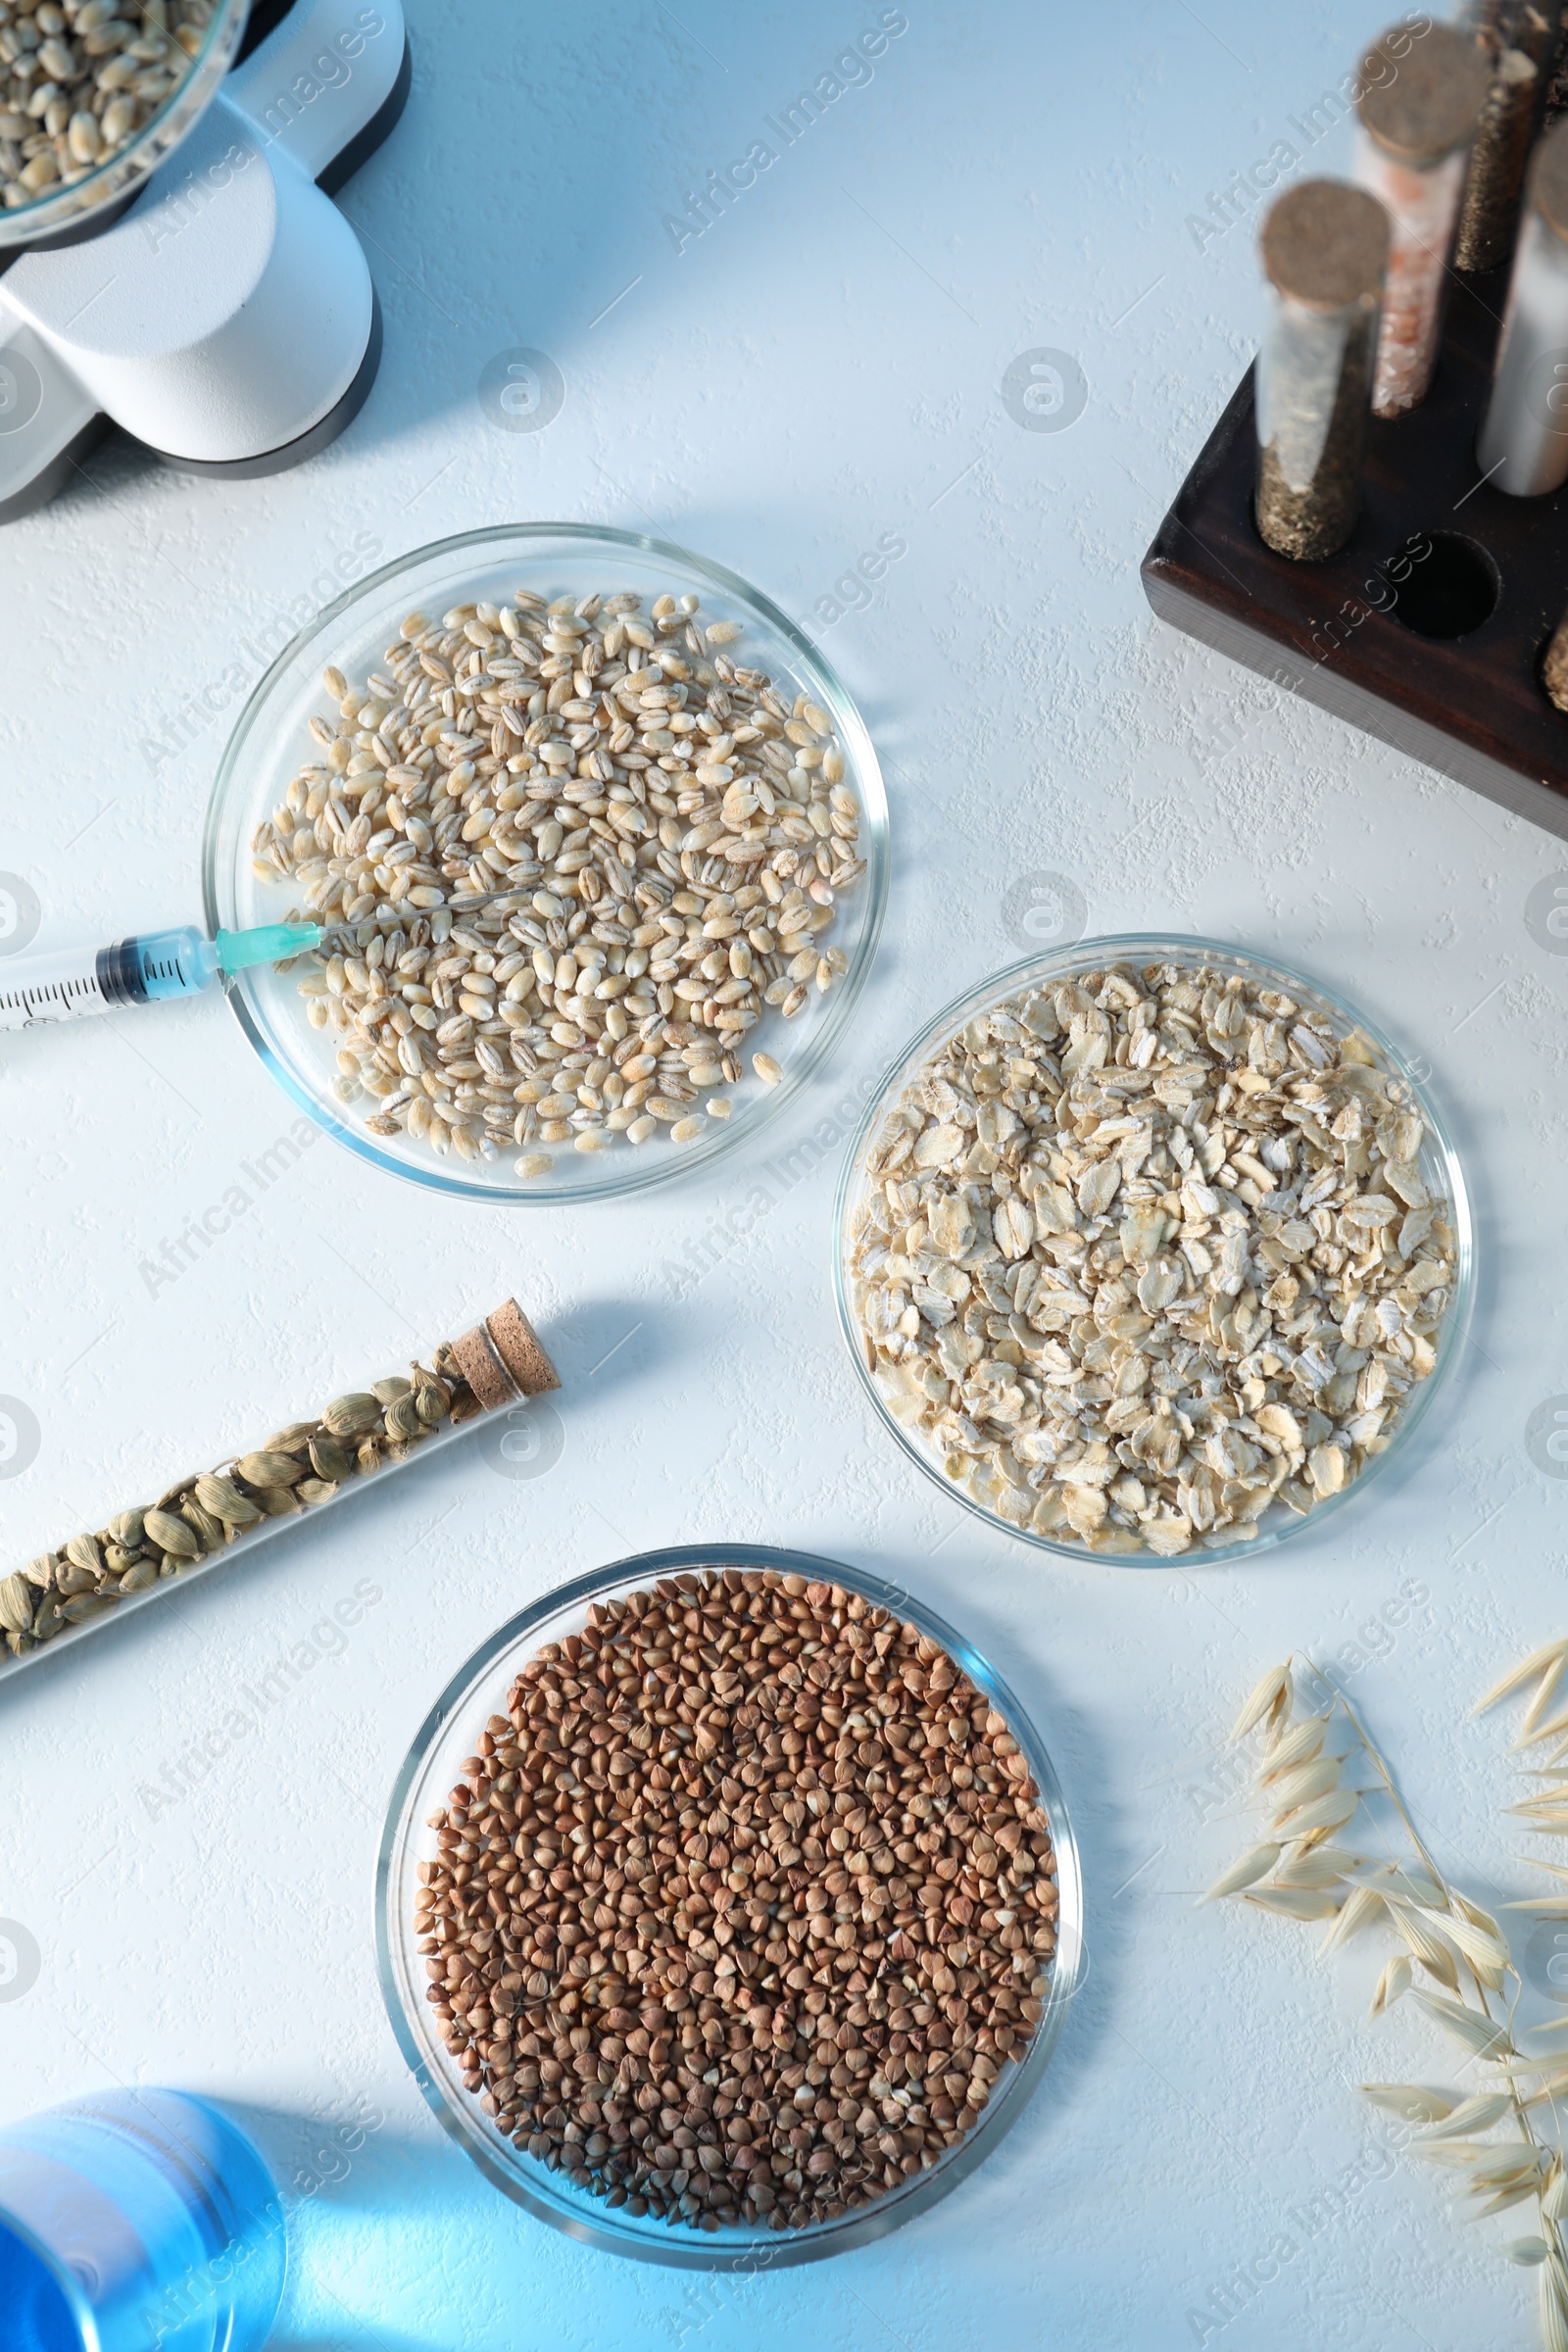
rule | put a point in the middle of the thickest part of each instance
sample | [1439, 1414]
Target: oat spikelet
[1271, 1698]
[1475, 1915]
[1427, 1945]
[1294, 1903]
[1547, 1815]
[1392, 1985]
[1514, 2194]
[1481, 2036]
[1365, 1905]
[1316, 1866]
[1550, 1657]
[1323, 1814]
[1470, 2117]
[1539, 1735]
[1412, 2102]
[1553, 2325]
[1505, 2167]
[1532, 1727]
[1297, 1745]
[1303, 1783]
[1250, 1866]
[1488, 1956]
[1526, 2251]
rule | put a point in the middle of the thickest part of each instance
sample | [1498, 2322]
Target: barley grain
[525, 872]
[88, 86]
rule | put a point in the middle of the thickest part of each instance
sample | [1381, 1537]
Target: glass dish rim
[1152, 947]
[62, 211]
[658, 2242]
[641, 1175]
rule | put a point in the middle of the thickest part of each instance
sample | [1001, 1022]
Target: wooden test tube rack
[1350, 635]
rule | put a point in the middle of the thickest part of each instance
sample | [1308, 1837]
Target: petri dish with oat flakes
[660, 1955]
[1153, 1248]
[566, 936]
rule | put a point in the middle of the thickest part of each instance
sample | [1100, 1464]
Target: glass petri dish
[1439, 1163]
[271, 740]
[64, 212]
[434, 1764]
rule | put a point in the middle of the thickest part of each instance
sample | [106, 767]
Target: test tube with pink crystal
[1420, 105]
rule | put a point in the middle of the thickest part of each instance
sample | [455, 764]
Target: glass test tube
[500, 1368]
[1514, 40]
[1523, 446]
[1418, 111]
[1324, 248]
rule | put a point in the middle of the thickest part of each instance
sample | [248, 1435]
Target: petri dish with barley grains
[599, 842]
[1153, 1248]
[114, 129]
[727, 1966]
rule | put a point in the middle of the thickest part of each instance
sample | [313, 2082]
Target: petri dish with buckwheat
[594, 2209]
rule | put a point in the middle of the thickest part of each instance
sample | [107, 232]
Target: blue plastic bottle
[136, 2222]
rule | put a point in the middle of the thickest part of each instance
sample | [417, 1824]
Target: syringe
[148, 970]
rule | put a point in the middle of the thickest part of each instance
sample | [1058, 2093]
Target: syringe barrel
[172, 963]
[72, 982]
[60, 987]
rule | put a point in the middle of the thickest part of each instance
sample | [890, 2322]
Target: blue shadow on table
[396, 2245]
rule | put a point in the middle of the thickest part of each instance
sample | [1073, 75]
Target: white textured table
[822, 366]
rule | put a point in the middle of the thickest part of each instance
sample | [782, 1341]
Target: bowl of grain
[124, 87]
[600, 844]
[728, 1909]
[1154, 1247]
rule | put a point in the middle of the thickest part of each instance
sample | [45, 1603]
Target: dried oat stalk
[1452, 1958]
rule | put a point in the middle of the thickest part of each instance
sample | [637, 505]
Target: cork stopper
[1326, 244]
[1548, 178]
[502, 1360]
[1420, 106]
[518, 1343]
